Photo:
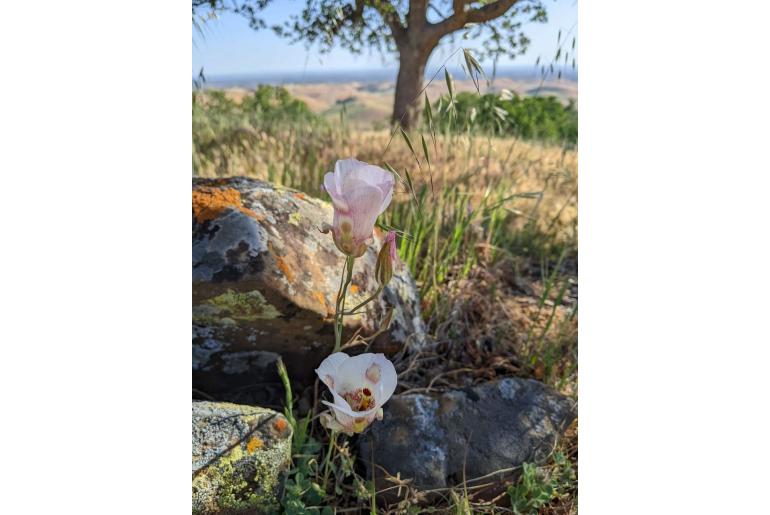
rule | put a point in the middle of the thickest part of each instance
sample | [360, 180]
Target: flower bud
[386, 259]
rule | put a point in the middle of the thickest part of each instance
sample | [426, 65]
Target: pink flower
[360, 192]
[360, 386]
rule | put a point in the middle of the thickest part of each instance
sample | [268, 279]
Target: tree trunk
[411, 72]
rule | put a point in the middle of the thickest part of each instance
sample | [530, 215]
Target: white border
[673, 250]
[673, 246]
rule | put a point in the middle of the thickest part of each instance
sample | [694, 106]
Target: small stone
[238, 459]
[479, 430]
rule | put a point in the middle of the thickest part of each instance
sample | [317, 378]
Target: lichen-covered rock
[239, 456]
[265, 280]
[483, 429]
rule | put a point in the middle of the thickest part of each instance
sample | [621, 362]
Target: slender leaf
[471, 69]
[411, 147]
[450, 85]
[425, 149]
[427, 159]
[431, 126]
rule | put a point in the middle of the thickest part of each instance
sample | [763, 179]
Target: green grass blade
[411, 147]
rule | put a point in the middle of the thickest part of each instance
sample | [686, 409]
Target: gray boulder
[264, 284]
[239, 456]
[484, 429]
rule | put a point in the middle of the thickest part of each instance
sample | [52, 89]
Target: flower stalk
[328, 458]
[361, 384]
[347, 278]
[364, 303]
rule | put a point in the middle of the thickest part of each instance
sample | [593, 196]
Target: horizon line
[519, 67]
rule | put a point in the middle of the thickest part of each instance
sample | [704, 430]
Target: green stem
[367, 301]
[340, 308]
[337, 335]
[327, 460]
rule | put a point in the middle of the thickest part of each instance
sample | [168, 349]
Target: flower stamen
[360, 399]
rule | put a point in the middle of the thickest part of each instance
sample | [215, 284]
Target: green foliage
[302, 496]
[537, 488]
[445, 237]
[266, 130]
[299, 489]
[444, 234]
[539, 118]
[460, 503]
[314, 481]
[269, 108]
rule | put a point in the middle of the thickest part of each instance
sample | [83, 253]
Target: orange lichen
[280, 425]
[209, 203]
[300, 196]
[284, 268]
[253, 444]
[320, 297]
[353, 288]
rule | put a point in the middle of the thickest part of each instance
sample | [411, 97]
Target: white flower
[360, 192]
[360, 386]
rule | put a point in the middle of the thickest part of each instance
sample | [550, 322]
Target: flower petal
[341, 414]
[330, 185]
[341, 406]
[344, 168]
[344, 413]
[372, 176]
[329, 421]
[352, 373]
[329, 367]
[388, 379]
[383, 180]
[363, 208]
[388, 196]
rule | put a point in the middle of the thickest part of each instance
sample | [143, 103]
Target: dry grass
[502, 296]
[473, 163]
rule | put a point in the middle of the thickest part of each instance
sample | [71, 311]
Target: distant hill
[367, 104]
[370, 104]
[377, 75]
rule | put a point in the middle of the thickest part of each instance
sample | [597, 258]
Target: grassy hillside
[488, 226]
[369, 104]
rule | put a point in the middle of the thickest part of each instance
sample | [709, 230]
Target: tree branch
[458, 6]
[390, 15]
[489, 11]
[460, 17]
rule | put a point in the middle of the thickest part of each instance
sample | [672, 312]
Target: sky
[230, 47]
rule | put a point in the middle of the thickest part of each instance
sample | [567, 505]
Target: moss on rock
[232, 474]
[233, 306]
